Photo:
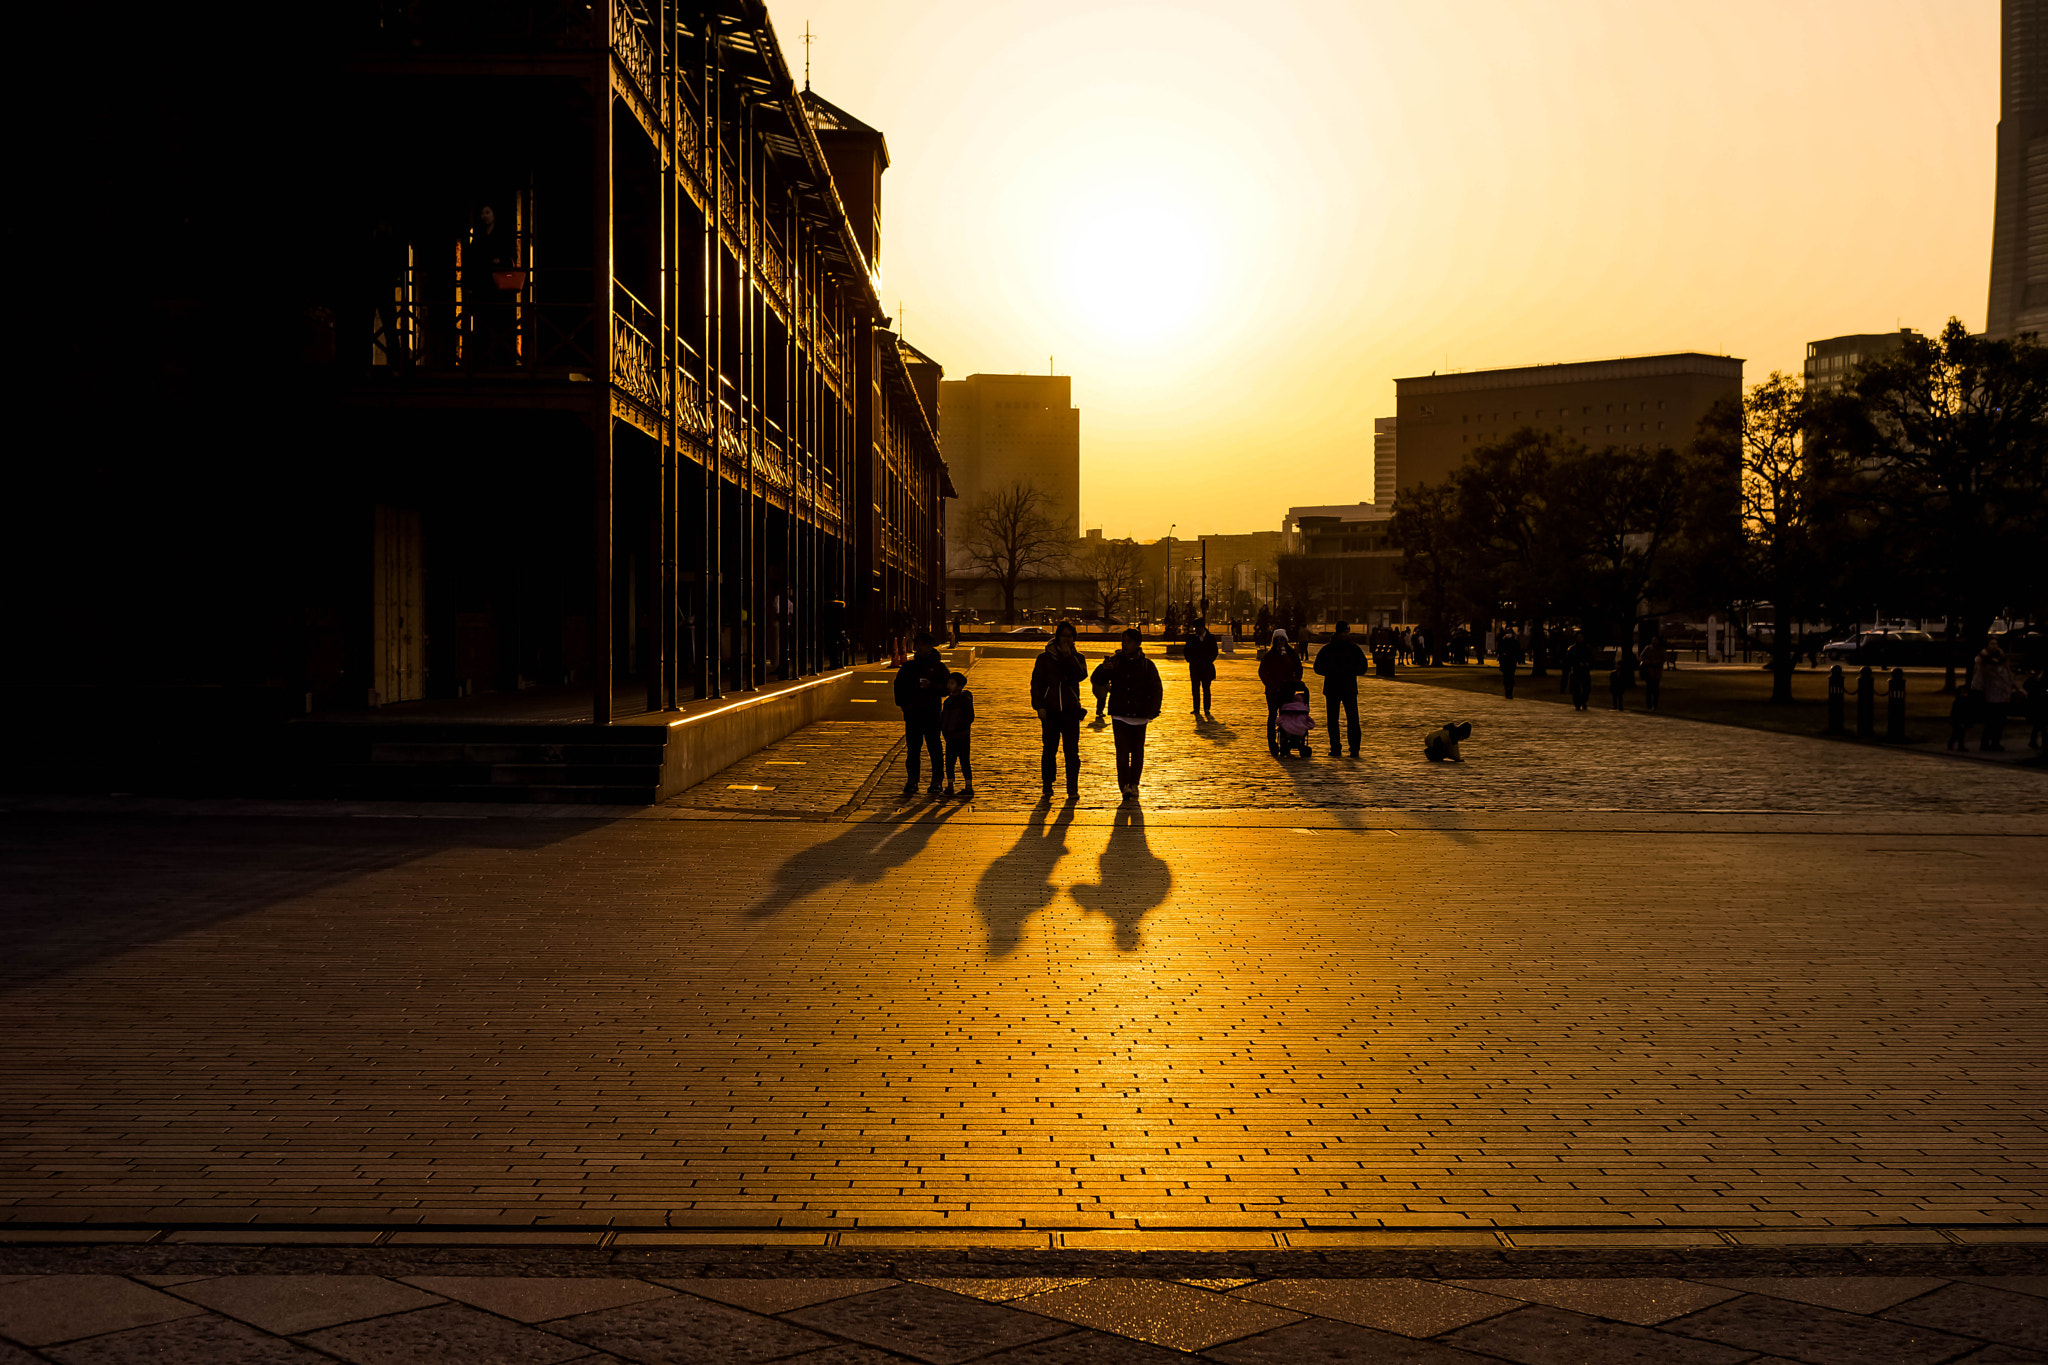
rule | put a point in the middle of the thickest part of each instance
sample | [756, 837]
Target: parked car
[1030, 633]
[1885, 649]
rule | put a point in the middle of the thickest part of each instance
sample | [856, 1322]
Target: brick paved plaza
[1618, 980]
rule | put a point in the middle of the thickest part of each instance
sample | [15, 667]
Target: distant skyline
[1236, 226]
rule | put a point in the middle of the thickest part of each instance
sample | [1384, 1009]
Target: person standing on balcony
[491, 286]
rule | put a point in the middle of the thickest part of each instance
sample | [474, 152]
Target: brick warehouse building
[466, 350]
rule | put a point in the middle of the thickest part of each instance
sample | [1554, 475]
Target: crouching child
[1441, 746]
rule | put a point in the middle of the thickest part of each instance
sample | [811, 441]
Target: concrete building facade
[999, 429]
[2019, 231]
[1829, 362]
[1655, 400]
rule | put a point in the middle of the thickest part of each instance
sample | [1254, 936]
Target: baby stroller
[1295, 725]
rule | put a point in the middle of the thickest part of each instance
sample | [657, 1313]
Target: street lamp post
[1169, 561]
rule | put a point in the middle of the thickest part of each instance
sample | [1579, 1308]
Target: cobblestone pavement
[90, 1319]
[1523, 755]
[1616, 980]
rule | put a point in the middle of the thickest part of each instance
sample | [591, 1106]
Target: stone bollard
[1866, 704]
[1895, 707]
[1837, 700]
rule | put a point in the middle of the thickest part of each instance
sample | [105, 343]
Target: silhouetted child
[1959, 715]
[956, 727]
[1098, 683]
[1442, 745]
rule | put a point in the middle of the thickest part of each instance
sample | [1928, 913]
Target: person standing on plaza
[1340, 662]
[956, 726]
[920, 691]
[1201, 656]
[1135, 698]
[1056, 696]
[1623, 677]
[1578, 670]
[1655, 656]
[1280, 672]
[1508, 653]
[1995, 685]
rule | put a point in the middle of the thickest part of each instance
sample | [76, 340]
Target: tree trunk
[1539, 653]
[1784, 650]
[1948, 651]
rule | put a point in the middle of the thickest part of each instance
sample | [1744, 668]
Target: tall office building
[1000, 429]
[1652, 400]
[2019, 232]
[1383, 481]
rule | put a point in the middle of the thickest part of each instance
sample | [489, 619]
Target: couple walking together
[1134, 696]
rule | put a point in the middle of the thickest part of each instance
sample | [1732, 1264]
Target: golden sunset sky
[1235, 224]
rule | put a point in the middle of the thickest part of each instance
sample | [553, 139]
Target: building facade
[1341, 564]
[1386, 482]
[1830, 362]
[1001, 429]
[2019, 231]
[544, 352]
[1653, 400]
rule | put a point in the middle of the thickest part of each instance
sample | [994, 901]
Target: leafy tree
[1425, 526]
[1788, 493]
[1012, 534]
[1624, 510]
[1115, 565]
[1503, 517]
[1951, 437]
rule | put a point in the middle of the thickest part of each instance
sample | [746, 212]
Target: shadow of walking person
[1133, 878]
[860, 855]
[1019, 882]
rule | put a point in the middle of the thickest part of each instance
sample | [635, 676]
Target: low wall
[699, 746]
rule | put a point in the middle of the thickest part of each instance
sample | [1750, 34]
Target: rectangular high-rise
[2019, 230]
[1000, 429]
[1651, 400]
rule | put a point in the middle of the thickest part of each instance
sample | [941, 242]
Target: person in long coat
[1280, 672]
[1201, 656]
[1340, 662]
[1135, 697]
[1056, 697]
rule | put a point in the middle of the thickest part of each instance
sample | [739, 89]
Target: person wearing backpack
[1280, 672]
[1340, 662]
[1056, 697]
[1135, 696]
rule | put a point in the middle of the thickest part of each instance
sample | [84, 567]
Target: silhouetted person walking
[1056, 696]
[1655, 656]
[1135, 697]
[1578, 670]
[1201, 656]
[1623, 677]
[1340, 662]
[1508, 654]
[920, 691]
[1280, 672]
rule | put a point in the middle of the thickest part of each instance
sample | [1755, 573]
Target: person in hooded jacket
[1280, 672]
[1340, 662]
[1056, 696]
[1200, 653]
[920, 692]
[1135, 696]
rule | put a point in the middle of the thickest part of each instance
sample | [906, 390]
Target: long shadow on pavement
[861, 855]
[1134, 879]
[82, 888]
[1018, 883]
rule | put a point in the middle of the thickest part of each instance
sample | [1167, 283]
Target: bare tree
[1011, 534]
[1115, 565]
